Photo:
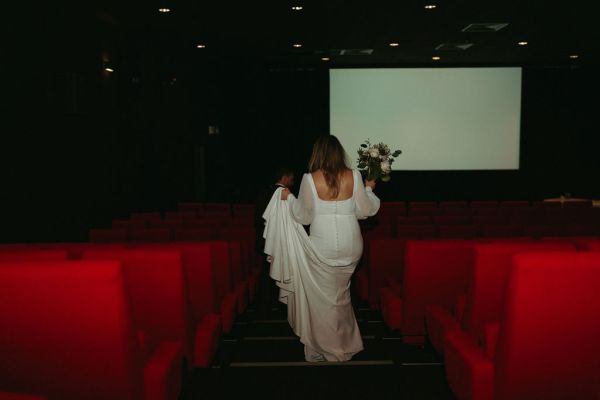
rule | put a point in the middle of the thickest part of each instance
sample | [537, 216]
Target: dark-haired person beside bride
[314, 272]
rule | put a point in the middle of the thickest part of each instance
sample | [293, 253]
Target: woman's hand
[370, 184]
[285, 193]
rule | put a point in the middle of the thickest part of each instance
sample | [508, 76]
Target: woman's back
[334, 230]
[324, 192]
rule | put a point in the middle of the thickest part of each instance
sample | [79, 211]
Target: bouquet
[375, 161]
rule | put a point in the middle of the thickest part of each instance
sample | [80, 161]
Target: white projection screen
[441, 118]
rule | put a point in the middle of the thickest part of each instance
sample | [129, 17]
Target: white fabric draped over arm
[367, 203]
[302, 208]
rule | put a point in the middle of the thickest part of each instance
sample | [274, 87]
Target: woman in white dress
[331, 199]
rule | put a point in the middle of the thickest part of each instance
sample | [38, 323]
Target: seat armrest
[162, 372]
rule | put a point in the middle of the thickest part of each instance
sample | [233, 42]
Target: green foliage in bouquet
[375, 161]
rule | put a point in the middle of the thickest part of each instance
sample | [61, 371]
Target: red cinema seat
[456, 211]
[457, 231]
[495, 219]
[240, 284]
[422, 204]
[243, 209]
[224, 288]
[451, 220]
[416, 220]
[217, 209]
[20, 396]
[389, 211]
[250, 261]
[515, 204]
[435, 273]
[362, 274]
[582, 229]
[453, 204]
[75, 250]
[154, 282]
[468, 350]
[424, 211]
[108, 235]
[386, 257]
[71, 336]
[539, 231]
[416, 231]
[12, 246]
[485, 294]
[202, 223]
[33, 254]
[548, 343]
[588, 244]
[501, 231]
[201, 297]
[484, 203]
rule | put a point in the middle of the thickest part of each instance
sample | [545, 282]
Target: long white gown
[313, 272]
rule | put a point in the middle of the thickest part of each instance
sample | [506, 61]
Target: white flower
[374, 152]
[386, 167]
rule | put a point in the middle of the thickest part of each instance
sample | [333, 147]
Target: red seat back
[548, 344]
[66, 332]
[435, 272]
[386, 259]
[33, 254]
[154, 281]
[487, 280]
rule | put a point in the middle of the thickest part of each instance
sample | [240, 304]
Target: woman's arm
[301, 208]
[367, 203]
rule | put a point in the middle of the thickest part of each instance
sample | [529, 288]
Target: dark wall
[81, 146]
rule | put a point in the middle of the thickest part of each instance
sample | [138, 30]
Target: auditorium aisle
[262, 358]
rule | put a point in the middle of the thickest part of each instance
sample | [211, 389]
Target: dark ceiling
[553, 30]
[267, 30]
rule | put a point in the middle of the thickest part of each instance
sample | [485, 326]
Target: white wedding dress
[313, 272]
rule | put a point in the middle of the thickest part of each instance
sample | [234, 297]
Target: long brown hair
[329, 156]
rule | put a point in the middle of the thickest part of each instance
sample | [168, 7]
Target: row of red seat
[488, 204]
[224, 232]
[430, 231]
[115, 321]
[506, 331]
[184, 219]
[196, 209]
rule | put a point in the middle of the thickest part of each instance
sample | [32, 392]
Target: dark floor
[262, 358]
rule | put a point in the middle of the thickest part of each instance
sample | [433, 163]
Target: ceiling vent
[485, 27]
[453, 46]
[354, 52]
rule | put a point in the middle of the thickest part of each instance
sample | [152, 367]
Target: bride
[313, 272]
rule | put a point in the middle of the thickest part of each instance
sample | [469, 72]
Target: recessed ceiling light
[164, 10]
[297, 8]
[297, 45]
[574, 56]
[109, 69]
[522, 43]
[201, 46]
[436, 58]
[430, 6]
[394, 44]
[325, 58]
